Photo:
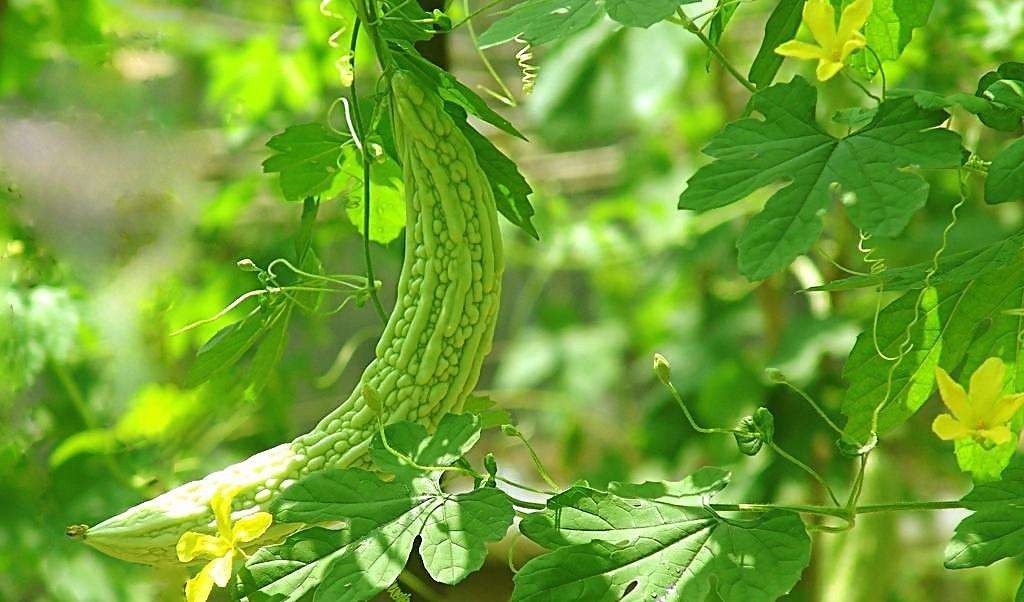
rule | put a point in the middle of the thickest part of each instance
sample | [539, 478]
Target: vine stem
[690, 26]
[370, 280]
[418, 586]
[840, 512]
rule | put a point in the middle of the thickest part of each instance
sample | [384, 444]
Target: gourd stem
[370, 279]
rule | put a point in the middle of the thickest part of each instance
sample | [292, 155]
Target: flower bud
[662, 369]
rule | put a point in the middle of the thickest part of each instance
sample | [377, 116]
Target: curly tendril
[528, 69]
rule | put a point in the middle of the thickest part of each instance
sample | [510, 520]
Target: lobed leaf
[782, 25]
[642, 13]
[865, 169]
[955, 321]
[1005, 180]
[995, 529]
[542, 21]
[610, 548]
[706, 481]
[307, 158]
[381, 521]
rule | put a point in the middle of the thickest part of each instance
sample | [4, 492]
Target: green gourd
[427, 360]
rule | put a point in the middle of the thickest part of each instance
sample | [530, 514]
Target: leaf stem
[690, 26]
[810, 471]
[370, 280]
[814, 404]
[689, 416]
[506, 95]
[544, 474]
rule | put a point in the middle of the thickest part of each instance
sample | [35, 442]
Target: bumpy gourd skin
[428, 358]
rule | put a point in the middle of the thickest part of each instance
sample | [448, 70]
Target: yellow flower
[834, 45]
[222, 547]
[982, 413]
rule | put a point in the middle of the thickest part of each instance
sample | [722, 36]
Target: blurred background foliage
[131, 137]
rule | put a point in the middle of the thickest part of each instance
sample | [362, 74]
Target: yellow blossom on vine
[983, 412]
[834, 44]
[220, 548]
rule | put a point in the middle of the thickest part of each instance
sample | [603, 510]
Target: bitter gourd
[428, 358]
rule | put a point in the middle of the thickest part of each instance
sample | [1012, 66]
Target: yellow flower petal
[198, 588]
[800, 50]
[251, 527]
[827, 69]
[948, 428]
[854, 16]
[193, 545]
[851, 45]
[1005, 408]
[220, 568]
[986, 386]
[221, 504]
[997, 434]
[953, 395]
[820, 19]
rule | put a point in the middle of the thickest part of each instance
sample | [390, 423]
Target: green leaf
[984, 464]
[269, 352]
[486, 408]
[387, 197]
[406, 24]
[642, 13]
[610, 548]
[889, 29]
[995, 530]
[452, 544]
[89, 441]
[926, 99]
[289, 571]
[1004, 87]
[865, 169]
[356, 495]
[706, 481]
[953, 318]
[225, 348]
[307, 157]
[955, 268]
[511, 192]
[455, 435]
[382, 520]
[542, 21]
[724, 10]
[1005, 180]
[781, 27]
[452, 90]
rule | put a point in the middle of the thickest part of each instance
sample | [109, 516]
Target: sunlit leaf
[306, 156]
[611, 548]
[865, 169]
[542, 21]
